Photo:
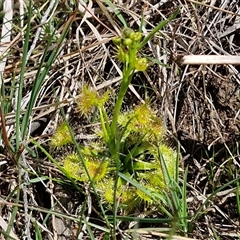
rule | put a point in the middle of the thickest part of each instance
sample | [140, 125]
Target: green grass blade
[238, 198]
[153, 195]
[38, 235]
[14, 213]
[184, 216]
[142, 220]
[200, 210]
[157, 28]
[90, 232]
[41, 78]
[21, 80]
[8, 237]
[117, 12]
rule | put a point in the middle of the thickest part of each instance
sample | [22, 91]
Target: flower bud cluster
[128, 45]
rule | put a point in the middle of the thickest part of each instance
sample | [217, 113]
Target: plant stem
[128, 72]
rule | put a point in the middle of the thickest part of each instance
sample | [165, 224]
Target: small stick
[208, 59]
[5, 137]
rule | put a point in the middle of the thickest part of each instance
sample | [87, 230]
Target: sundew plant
[123, 162]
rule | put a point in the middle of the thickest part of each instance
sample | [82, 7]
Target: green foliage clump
[123, 162]
[142, 136]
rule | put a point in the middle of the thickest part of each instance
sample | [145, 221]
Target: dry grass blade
[156, 233]
[5, 35]
[4, 227]
[212, 7]
[5, 137]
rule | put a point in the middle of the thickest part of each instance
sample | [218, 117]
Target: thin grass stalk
[117, 13]
[59, 214]
[174, 202]
[105, 125]
[86, 219]
[200, 210]
[157, 28]
[41, 78]
[14, 213]
[38, 235]
[182, 215]
[184, 203]
[19, 135]
[143, 220]
[115, 203]
[238, 198]
[90, 232]
[8, 237]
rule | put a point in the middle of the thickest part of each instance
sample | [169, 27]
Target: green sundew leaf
[73, 166]
[96, 169]
[61, 137]
[154, 179]
[141, 165]
[157, 28]
[87, 100]
[167, 158]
